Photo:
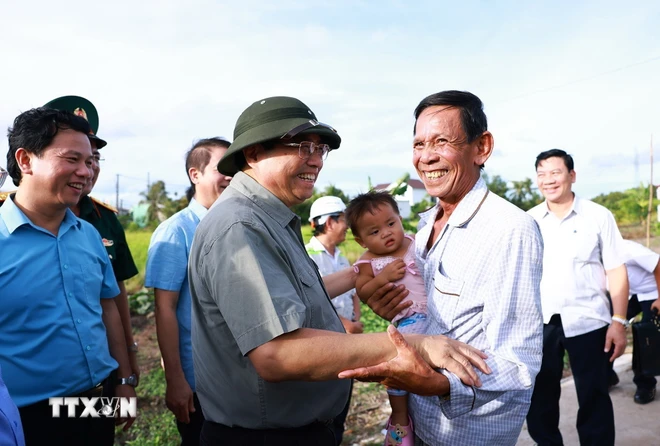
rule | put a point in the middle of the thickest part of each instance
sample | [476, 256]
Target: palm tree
[157, 199]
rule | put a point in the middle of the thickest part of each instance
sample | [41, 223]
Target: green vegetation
[155, 425]
[138, 242]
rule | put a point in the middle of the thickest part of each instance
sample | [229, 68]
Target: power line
[584, 79]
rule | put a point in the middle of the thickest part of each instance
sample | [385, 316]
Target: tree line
[630, 207]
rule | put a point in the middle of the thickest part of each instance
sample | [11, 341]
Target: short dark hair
[473, 118]
[568, 159]
[367, 202]
[320, 229]
[199, 156]
[34, 130]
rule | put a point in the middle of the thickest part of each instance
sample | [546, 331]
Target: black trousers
[340, 420]
[595, 420]
[317, 434]
[190, 432]
[41, 428]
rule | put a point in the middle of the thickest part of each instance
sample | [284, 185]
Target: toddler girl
[390, 257]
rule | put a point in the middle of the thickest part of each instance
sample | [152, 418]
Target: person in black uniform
[104, 218]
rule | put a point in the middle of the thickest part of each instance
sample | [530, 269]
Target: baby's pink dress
[412, 280]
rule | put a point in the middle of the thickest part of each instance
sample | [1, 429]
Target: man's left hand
[655, 306]
[135, 368]
[125, 391]
[406, 371]
[616, 335]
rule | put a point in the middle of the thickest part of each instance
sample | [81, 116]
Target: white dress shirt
[329, 264]
[579, 248]
[482, 279]
[640, 264]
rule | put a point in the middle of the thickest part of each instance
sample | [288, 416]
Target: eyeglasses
[307, 148]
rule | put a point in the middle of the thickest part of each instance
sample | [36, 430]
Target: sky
[582, 76]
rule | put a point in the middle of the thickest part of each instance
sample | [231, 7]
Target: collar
[316, 245]
[262, 198]
[576, 207]
[87, 210]
[197, 209]
[15, 218]
[466, 209]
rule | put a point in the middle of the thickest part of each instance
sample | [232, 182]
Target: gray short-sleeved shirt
[252, 281]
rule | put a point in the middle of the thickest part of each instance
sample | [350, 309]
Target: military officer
[104, 218]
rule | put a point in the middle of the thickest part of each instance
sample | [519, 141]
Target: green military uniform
[104, 219]
[102, 216]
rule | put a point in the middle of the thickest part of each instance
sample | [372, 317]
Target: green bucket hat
[271, 119]
[80, 106]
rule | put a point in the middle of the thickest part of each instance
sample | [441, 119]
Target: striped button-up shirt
[482, 279]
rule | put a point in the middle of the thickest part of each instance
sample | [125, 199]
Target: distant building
[415, 192]
[140, 214]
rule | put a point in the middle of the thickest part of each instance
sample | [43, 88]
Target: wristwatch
[131, 381]
[621, 320]
[133, 347]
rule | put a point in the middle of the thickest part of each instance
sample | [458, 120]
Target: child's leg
[399, 405]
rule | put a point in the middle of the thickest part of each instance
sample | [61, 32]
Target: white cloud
[163, 74]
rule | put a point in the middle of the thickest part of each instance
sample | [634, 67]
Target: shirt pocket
[318, 305]
[446, 296]
[587, 264]
[91, 282]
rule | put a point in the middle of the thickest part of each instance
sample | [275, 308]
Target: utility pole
[117, 193]
[648, 218]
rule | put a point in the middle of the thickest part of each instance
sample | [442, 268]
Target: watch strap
[621, 320]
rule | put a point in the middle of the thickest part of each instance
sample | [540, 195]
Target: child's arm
[366, 284]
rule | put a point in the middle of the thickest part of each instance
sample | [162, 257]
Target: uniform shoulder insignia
[4, 196]
[105, 205]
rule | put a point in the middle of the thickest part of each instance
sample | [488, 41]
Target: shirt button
[78, 320]
[88, 347]
[66, 266]
[69, 294]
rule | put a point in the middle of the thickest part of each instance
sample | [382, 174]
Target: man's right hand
[386, 301]
[411, 370]
[179, 399]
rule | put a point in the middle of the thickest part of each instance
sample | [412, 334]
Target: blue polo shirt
[167, 269]
[52, 338]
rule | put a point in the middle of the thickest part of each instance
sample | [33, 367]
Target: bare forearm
[318, 355]
[115, 334]
[124, 312]
[618, 280]
[167, 331]
[366, 287]
[339, 282]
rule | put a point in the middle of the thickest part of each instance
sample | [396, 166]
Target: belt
[94, 392]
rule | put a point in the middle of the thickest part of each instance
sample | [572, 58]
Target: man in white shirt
[583, 246]
[643, 267]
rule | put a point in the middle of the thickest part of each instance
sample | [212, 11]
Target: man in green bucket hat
[268, 345]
